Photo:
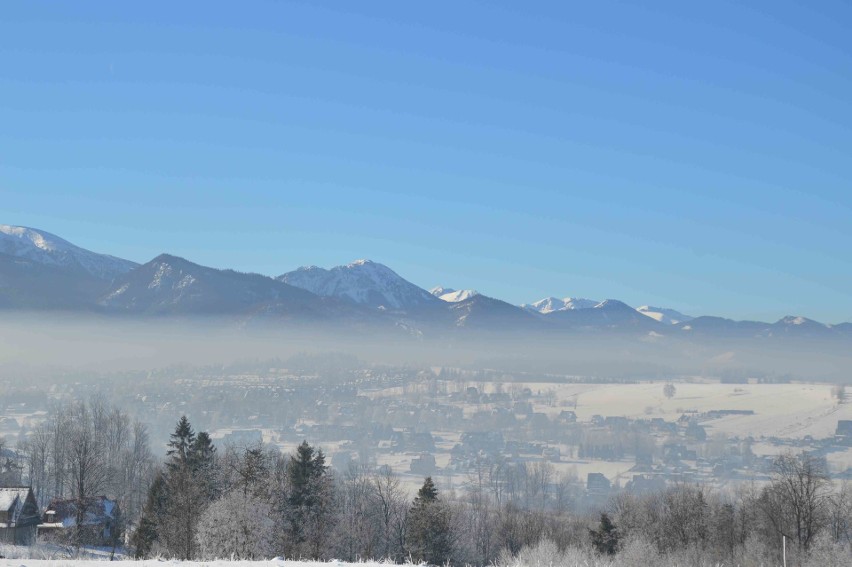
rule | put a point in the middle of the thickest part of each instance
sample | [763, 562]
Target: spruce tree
[605, 538]
[429, 527]
[202, 462]
[146, 534]
[179, 495]
[309, 500]
[181, 443]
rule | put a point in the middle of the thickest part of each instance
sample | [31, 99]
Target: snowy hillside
[551, 304]
[364, 282]
[663, 315]
[451, 295]
[48, 249]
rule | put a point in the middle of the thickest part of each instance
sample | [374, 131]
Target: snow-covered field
[784, 410]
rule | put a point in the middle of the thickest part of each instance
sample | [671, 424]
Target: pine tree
[181, 443]
[202, 462]
[429, 527]
[146, 534]
[605, 538]
[180, 494]
[309, 500]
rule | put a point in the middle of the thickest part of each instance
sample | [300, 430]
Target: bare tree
[390, 500]
[796, 502]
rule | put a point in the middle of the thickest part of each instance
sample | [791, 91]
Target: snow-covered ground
[68, 562]
[55, 556]
[784, 410]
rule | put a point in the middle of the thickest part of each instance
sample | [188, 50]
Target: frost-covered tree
[237, 526]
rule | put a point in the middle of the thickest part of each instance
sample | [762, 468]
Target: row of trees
[256, 502]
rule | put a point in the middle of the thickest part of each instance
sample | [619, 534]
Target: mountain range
[41, 271]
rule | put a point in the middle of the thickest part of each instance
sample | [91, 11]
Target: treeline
[205, 502]
[256, 502]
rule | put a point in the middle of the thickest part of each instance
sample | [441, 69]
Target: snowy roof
[12, 499]
[9, 495]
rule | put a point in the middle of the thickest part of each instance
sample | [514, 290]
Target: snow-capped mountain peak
[451, 295]
[551, 304]
[362, 281]
[48, 249]
[438, 291]
[664, 315]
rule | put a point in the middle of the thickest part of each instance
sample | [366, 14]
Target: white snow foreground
[164, 563]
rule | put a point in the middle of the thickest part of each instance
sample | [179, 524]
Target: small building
[597, 482]
[19, 517]
[843, 434]
[99, 524]
[424, 464]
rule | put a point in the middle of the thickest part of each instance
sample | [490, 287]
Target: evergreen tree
[429, 527]
[179, 495]
[253, 472]
[202, 462]
[181, 443]
[309, 501]
[605, 538]
[146, 534]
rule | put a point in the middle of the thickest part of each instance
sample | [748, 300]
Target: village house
[18, 515]
[99, 525]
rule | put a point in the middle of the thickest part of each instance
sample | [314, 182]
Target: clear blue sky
[686, 154]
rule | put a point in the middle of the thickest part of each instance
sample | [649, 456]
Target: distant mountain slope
[709, 326]
[47, 249]
[171, 285]
[843, 329]
[487, 313]
[27, 284]
[795, 326]
[551, 304]
[663, 315]
[363, 282]
[609, 314]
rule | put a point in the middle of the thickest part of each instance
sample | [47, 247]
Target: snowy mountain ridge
[551, 304]
[451, 295]
[363, 282]
[50, 250]
[40, 271]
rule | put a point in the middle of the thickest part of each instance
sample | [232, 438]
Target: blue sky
[691, 155]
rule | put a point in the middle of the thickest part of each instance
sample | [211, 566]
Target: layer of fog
[31, 344]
